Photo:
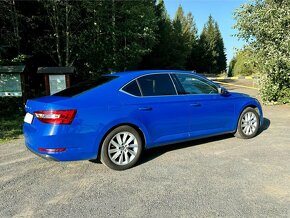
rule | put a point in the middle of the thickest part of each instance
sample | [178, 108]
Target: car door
[160, 109]
[210, 112]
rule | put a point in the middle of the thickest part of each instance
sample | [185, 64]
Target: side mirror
[222, 91]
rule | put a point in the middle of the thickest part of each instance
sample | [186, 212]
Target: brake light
[56, 116]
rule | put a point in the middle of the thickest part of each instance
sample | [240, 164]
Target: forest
[98, 37]
[101, 36]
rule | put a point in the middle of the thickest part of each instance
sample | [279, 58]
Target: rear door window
[156, 85]
[84, 86]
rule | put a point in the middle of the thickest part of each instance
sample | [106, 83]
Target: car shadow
[265, 126]
[153, 153]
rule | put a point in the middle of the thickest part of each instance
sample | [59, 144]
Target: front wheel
[121, 148]
[249, 124]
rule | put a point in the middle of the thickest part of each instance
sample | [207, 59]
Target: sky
[222, 12]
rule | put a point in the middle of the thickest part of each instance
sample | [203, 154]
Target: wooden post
[47, 87]
[67, 81]
[23, 88]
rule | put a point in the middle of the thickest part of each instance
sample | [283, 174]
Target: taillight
[56, 116]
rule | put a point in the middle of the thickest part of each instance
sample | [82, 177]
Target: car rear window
[84, 86]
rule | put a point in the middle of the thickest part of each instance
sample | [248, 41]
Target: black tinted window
[132, 88]
[84, 86]
[194, 85]
[156, 84]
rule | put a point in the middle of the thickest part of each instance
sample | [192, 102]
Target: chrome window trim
[121, 89]
[169, 73]
[140, 90]
[173, 83]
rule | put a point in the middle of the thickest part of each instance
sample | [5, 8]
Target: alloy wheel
[249, 123]
[123, 148]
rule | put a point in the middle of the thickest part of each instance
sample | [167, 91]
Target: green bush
[10, 128]
[11, 117]
[272, 92]
[243, 64]
[264, 24]
[10, 106]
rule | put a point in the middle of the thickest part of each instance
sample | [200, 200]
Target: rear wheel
[121, 148]
[248, 125]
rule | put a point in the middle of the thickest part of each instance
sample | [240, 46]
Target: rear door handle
[145, 108]
[195, 104]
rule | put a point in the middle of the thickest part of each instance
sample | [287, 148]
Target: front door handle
[145, 108]
[195, 104]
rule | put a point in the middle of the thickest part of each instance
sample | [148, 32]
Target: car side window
[132, 88]
[156, 85]
[191, 84]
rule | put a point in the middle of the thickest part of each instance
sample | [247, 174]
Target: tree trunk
[15, 24]
[57, 35]
[67, 50]
[113, 32]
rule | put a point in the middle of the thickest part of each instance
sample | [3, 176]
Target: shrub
[265, 25]
[10, 106]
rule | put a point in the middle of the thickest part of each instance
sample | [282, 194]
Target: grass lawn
[11, 127]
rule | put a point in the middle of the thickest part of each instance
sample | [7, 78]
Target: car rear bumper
[44, 156]
[76, 146]
[70, 154]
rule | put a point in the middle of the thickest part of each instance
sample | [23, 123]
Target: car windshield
[84, 86]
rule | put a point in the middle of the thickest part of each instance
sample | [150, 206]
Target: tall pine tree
[221, 59]
[193, 58]
[212, 53]
[184, 34]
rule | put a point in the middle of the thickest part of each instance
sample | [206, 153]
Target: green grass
[11, 127]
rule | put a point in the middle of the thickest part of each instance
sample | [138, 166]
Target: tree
[174, 40]
[243, 63]
[178, 45]
[159, 57]
[231, 66]
[212, 57]
[136, 26]
[65, 24]
[192, 61]
[265, 25]
[221, 56]
[9, 33]
[182, 38]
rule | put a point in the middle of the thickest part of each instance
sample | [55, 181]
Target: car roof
[144, 72]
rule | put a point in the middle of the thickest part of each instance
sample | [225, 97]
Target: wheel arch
[250, 105]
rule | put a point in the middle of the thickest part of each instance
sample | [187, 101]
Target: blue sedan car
[118, 115]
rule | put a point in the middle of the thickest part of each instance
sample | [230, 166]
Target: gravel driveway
[221, 176]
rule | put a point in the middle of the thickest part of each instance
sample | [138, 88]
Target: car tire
[248, 124]
[121, 148]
